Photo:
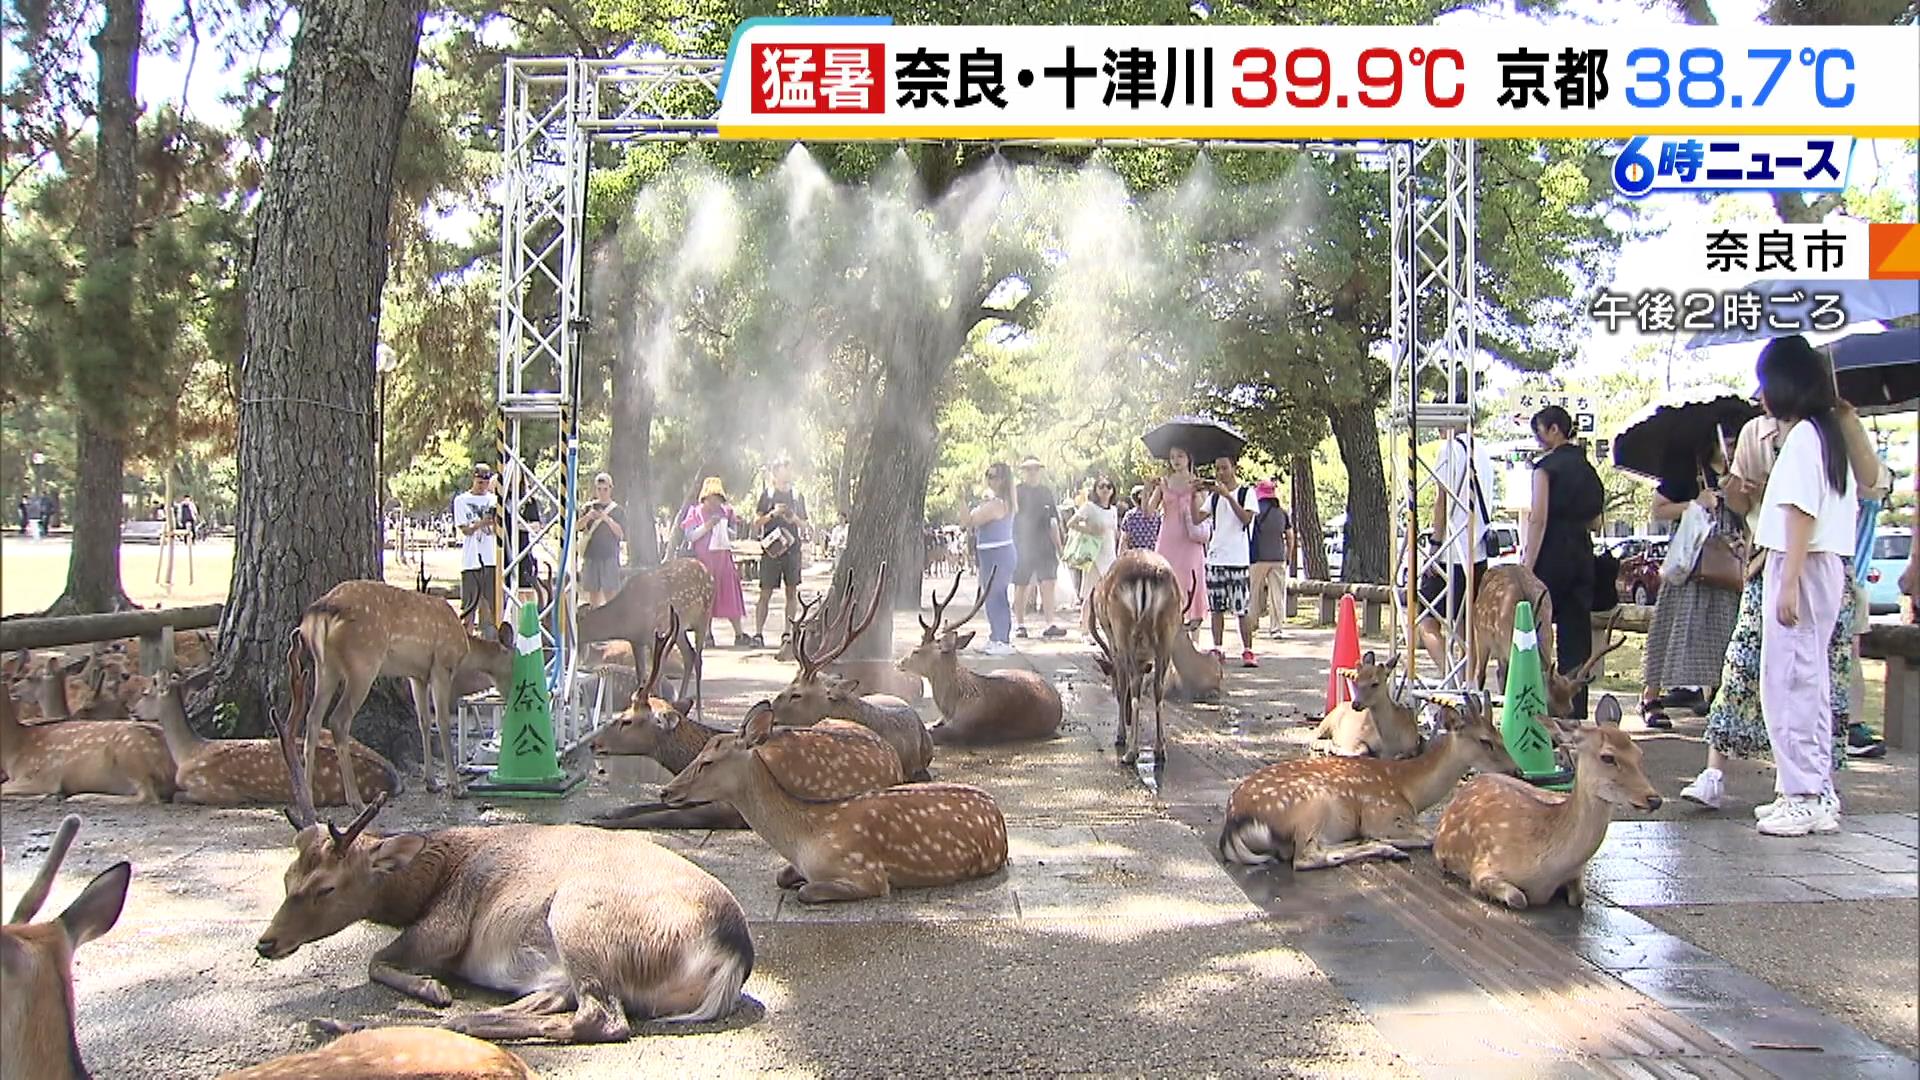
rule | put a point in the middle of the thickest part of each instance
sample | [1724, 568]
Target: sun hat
[1264, 490]
[1031, 462]
[713, 486]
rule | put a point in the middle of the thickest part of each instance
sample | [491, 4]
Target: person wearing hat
[1273, 548]
[477, 514]
[605, 524]
[1037, 542]
[710, 526]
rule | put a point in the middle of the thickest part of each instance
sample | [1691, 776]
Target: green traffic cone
[1526, 702]
[529, 761]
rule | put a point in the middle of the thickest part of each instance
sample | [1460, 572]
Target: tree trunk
[630, 458]
[93, 570]
[1356, 429]
[306, 456]
[1306, 518]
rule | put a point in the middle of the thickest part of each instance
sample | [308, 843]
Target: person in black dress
[1567, 497]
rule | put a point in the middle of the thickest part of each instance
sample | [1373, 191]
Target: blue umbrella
[1878, 373]
[1788, 306]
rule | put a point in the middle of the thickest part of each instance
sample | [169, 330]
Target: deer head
[813, 695]
[335, 880]
[36, 966]
[1370, 678]
[1607, 762]
[648, 721]
[940, 645]
[1562, 688]
[724, 766]
[1471, 727]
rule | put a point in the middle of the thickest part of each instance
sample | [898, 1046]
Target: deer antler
[978, 602]
[853, 630]
[342, 841]
[1591, 669]
[939, 607]
[302, 813]
[42, 883]
[797, 629]
[661, 643]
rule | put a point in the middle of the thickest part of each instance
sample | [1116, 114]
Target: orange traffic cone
[1346, 656]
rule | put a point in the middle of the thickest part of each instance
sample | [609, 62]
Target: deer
[118, 760]
[678, 587]
[1562, 688]
[395, 1053]
[878, 674]
[1519, 845]
[588, 929]
[1372, 723]
[1136, 616]
[978, 707]
[811, 697]
[1195, 675]
[854, 848]
[233, 772]
[1500, 590]
[1326, 811]
[361, 630]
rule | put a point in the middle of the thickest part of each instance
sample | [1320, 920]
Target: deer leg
[420, 987]
[598, 1017]
[790, 877]
[1315, 856]
[340, 722]
[442, 693]
[1397, 828]
[1493, 888]
[845, 888]
[1577, 892]
[422, 710]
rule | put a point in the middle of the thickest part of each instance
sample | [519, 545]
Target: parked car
[1639, 577]
[1892, 547]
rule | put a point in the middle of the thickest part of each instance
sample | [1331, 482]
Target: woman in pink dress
[710, 526]
[1183, 530]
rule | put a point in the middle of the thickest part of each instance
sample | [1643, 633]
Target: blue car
[1891, 550]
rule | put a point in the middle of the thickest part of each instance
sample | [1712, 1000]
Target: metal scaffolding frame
[556, 109]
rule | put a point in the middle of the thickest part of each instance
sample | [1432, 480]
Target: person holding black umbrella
[1693, 619]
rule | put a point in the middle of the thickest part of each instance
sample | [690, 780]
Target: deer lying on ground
[979, 707]
[811, 697]
[679, 588]
[1372, 723]
[1195, 675]
[1325, 811]
[587, 928]
[364, 629]
[1518, 845]
[910, 836]
[123, 759]
[232, 772]
[878, 675]
[1136, 616]
[1501, 588]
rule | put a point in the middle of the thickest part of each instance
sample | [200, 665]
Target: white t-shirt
[1800, 480]
[477, 549]
[1231, 541]
[1465, 547]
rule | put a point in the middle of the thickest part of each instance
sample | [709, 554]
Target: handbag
[1721, 564]
[1081, 551]
[1683, 549]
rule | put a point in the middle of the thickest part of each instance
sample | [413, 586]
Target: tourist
[1038, 542]
[1692, 620]
[1567, 498]
[1230, 506]
[605, 524]
[1139, 527]
[1273, 553]
[709, 527]
[476, 513]
[992, 522]
[1099, 519]
[1461, 466]
[780, 518]
[1183, 529]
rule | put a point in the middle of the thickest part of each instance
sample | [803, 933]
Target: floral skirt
[1735, 725]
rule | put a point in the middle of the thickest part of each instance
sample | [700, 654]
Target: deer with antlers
[587, 928]
[361, 630]
[812, 697]
[649, 600]
[877, 675]
[1136, 616]
[1519, 845]
[1325, 811]
[979, 707]
[848, 848]
[1561, 689]
[1372, 723]
[123, 760]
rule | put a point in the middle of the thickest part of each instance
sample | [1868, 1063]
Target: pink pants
[1796, 695]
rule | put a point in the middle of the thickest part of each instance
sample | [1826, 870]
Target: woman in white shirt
[1100, 519]
[1806, 527]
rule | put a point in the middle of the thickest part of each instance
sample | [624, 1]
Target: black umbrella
[1878, 373]
[1205, 439]
[1670, 432]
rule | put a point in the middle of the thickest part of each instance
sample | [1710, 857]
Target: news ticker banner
[870, 79]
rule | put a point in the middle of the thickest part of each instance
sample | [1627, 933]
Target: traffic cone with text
[1346, 656]
[1521, 728]
[529, 761]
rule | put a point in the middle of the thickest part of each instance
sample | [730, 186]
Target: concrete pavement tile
[1775, 862]
[1901, 828]
[1654, 950]
[1865, 886]
[1496, 1038]
[1720, 890]
[1624, 868]
[1743, 1024]
[1831, 1067]
[1705, 988]
[1886, 862]
[990, 899]
[1061, 844]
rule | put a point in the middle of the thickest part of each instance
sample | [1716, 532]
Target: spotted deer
[909, 836]
[1562, 688]
[1500, 590]
[1325, 811]
[812, 697]
[1519, 845]
[979, 707]
[1136, 616]
[588, 929]
[361, 630]
[1195, 675]
[644, 606]
[121, 760]
[395, 1053]
[233, 772]
[1372, 723]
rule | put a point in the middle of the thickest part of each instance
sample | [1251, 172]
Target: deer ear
[393, 853]
[505, 635]
[1607, 712]
[1367, 657]
[962, 641]
[684, 707]
[758, 727]
[97, 908]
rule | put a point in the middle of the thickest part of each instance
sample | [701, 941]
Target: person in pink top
[1183, 529]
[710, 526]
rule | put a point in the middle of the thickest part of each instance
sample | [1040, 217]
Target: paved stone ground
[1114, 944]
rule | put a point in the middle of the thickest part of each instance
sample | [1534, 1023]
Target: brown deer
[125, 760]
[910, 836]
[37, 1036]
[1196, 675]
[1136, 616]
[1562, 688]
[812, 697]
[586, 927]
[1519, 845]
[979, 707]
[232, 772]
[877, 675]
[361, 630]
[395, 1053]
[1501, 588]
[1325, 811]
[1372, 723]
[642, 607]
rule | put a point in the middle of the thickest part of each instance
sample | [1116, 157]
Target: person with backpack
[1231, 506]
[1462, 526]
[1567, 498]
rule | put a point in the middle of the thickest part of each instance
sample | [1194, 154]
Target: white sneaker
[1798, 816]
[1831, 799]
[1706, 789]
[1766, 810]
[997, 648]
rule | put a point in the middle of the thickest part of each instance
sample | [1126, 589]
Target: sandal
[1656, 720]
[1247, 659]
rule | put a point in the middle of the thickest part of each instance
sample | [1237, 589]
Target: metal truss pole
[1434, 385]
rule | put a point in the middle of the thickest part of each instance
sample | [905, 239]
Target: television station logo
[1650, 163]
